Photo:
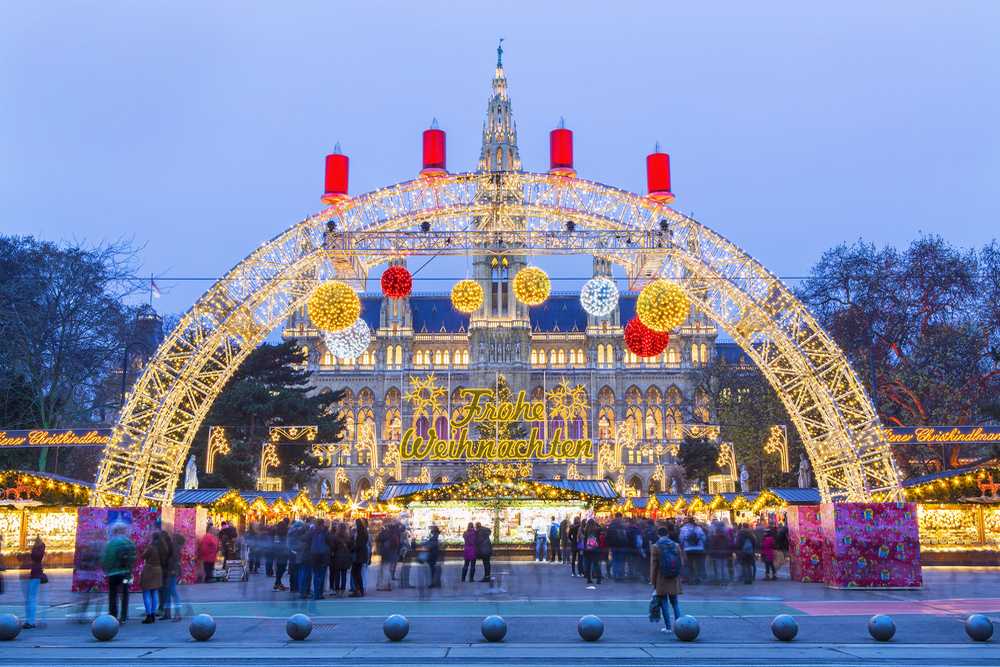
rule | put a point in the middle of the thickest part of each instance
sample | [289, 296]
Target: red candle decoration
[337, 169]
[658, 177]
[561, 152]
[643, 341]
[434, 153]
[396, 282]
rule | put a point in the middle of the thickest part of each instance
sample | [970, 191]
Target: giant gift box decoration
[805, 541]
[871, 545]
[93, 528]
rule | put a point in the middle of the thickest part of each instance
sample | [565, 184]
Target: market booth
[509, 506]
[33, 503]
[241, 508]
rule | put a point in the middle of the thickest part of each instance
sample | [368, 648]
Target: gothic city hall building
[425, 356]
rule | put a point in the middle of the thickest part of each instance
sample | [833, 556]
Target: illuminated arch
[839, 427]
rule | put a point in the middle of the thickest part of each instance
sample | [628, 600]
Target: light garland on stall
[599, 296]
[467, 296]
[350, 343]
[662, 305]
[334, 306]
[643, 341]
[396, 282]
[531, 286]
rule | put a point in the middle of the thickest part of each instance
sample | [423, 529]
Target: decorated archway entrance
[498, 213]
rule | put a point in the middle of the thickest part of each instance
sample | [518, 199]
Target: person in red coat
[208, 551]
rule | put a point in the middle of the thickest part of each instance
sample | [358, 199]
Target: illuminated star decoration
[567, 403]
[424, 395]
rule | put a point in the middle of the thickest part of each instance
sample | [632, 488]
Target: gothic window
[534, 358]
[552, 357]
[562, 356]
[399, 355]
[654, 424]
[327, 358]
[606, 424]
[421, 427]
[465, 356]
[393, 425]
[577, 429]
[672, 422]
[366, 397]
[499, 160]
[653, 395]
[437, 357]
[633, 417]
[633, 395]
[441, 427]
[606, 396]
[704, 350]
[610, 354]
[600, 355]
[701, 414]
[348, 425]
[672, 356]
[673, 395]
[392, 397]
[694, 353]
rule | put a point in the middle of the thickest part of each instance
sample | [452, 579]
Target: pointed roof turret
[499, 151]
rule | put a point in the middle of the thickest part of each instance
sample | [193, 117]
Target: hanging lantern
[396, 282]
[662, 305]
[531, 286]
[350, 343]
[643, 341]
[334, 306]
[599, 296]
[467, 296]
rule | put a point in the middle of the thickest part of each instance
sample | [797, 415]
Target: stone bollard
[104, 628]
[396, 627]
[298, 626]
[686, 628]
[590, 628]
[881, 627]
[10, 627]
[202, 627]
[784, 627]
[979, 627]
[494, 628]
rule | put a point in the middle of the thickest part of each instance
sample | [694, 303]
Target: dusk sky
[201, 127]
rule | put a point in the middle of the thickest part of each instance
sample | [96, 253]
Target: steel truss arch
[497, 213]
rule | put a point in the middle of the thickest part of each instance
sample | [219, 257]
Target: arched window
[672, 356]
[366, 416]
[437, 357]
[446, 357]
[399, 355]
[654, 424]
[577, 429]
[562, 356]
[572, 356]
[465, 356]
[441, 427]
[694, 353]
[534, 357]
[327, 358]
[421, 427]
[704, 350]
[600, 355]
[606, 424]
[348, 425]
[610, 354]
[393, 425]
[634, 420]
[552, 357]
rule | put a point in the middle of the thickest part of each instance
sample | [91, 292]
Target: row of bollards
[494, 628]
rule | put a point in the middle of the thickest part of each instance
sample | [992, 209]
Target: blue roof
[600, 488]
[431, 312]
[561, 311]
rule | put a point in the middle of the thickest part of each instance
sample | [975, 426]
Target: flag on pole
[154, 289]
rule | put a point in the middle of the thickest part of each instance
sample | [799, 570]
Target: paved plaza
[542, 605]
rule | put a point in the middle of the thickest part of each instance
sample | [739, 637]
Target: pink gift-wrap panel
[871, 545]
[190, 524]
[92, 533]
[805, 542]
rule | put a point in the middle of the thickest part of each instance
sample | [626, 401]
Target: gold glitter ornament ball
[467, 296]
[531, 286]
[662, 305]
[334, 306]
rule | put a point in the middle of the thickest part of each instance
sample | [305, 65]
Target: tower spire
[499, 151]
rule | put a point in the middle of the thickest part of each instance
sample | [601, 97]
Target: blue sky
[200, 128]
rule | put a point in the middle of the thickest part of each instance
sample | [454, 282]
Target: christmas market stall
[241, 508]
[509, 506]
[39, 504]
[958, 512]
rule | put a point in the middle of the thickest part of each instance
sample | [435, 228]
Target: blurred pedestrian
[746, 545]
[665, 566]
[279, 548]
[360, 558]
[592, 551]
[30, 582]
[340, 561]
[575, 538]
[432, 549]
[469, 553]
[151, 577]
[320, 551]
[767, 554]
[118, 559]
[484, 549]
[208, 552]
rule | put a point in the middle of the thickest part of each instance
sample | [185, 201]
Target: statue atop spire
[500, 52]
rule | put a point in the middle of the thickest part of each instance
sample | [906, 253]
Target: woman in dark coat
[30, 584]
[433, 548]
[469, 552]
[340, 560]
[151, 579]
[360, 551]
[484, 549]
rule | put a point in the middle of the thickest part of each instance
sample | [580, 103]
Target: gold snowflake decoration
[424, 395]
[566, 403]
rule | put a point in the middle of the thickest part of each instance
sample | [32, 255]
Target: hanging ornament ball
[467, 296]
[662, 305]
[396, 282]
[334, 306]
[531, 286]
[643, 341]
[599, 296]
[350, 343]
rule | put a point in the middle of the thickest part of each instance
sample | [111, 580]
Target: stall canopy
[588, 490]
[243, 502]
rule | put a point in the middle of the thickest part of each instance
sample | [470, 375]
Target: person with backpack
[692, 539]
[665, 565]
[721, 550]
[592, 551]
[617, 538]
[746, 547]
[320, 549]
[554, 550]
[117, 559]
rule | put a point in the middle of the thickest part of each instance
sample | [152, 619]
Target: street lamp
[871, 361]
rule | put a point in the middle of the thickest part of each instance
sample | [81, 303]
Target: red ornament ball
[643, 341]
[396, 282]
